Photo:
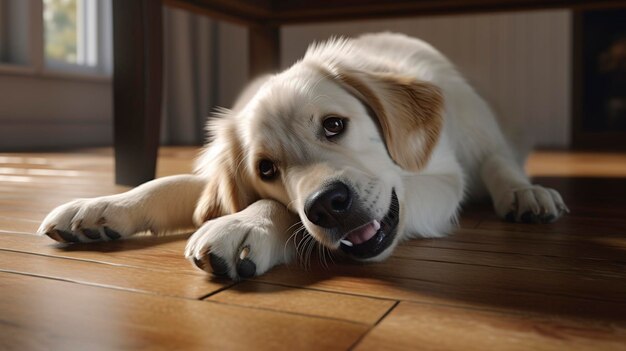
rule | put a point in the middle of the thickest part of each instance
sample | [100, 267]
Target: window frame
[36, 64]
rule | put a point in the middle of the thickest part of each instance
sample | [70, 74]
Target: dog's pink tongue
[363, 233]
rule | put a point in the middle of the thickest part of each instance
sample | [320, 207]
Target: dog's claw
[199, 263]
[112, 234]
[529, 217]
[548, 218]
[54, 235]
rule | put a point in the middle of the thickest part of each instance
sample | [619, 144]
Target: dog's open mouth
[371, 239]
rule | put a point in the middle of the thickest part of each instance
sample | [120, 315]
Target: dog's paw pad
[231, 247]
[91, 234]
[67, 236]
[529, 217]
[548, 218]
[219, 266]
[111, 234]
[246, 268]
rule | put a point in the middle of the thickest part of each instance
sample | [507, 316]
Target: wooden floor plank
[573, 226]
[150, 252]
[192, 285]
[579, 164]
[413, 326]
[21, 225]
[582, 267]
[527, 300]
[597, 247]
[488, 278]
[316, 303]
[43, 314]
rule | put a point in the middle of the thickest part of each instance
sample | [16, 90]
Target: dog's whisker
[295, 231]
[304, 251]
[330, 255]
[293, 236]
[308, 253]
[311, 245]
[324, 250]
[301, 251]
[322, 255]
[319, 253]
[302, 245]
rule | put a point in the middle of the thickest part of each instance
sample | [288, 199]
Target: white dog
[364, 143]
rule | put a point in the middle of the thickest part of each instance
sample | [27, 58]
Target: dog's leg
[162, 205]
[246, 243]
[514, 197]
[432, 203]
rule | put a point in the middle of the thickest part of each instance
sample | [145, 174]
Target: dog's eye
[333, 126]
[267, 170]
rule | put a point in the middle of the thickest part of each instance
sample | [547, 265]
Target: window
[52, 36]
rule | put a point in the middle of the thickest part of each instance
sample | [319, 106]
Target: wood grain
[494, 295]
[417, 326]
[194, 285]
[304, 301]
[68, 316]
[149, 252]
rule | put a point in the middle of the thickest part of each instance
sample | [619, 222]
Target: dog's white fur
[399, 136]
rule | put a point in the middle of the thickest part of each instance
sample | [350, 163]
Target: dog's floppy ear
[227, 190]
[409, 113]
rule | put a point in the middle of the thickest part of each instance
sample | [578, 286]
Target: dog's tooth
[346, 242]
[376, 225]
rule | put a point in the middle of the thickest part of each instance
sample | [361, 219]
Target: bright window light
[71, 32]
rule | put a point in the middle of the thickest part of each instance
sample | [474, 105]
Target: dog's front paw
[86, 220]
[532, 204]
[241, 245]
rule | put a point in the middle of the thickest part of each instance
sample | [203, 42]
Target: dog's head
[333, 145]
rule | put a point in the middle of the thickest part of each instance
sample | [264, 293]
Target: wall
[519, 62]
[53, 112]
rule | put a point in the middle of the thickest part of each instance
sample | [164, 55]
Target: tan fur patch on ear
[219, 198]
[226, 191]
[409, 113]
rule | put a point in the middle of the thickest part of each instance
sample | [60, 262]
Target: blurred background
[56, 65]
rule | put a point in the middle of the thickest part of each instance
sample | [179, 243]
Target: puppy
[360, 145]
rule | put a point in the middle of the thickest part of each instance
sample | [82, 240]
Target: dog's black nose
[328, 206]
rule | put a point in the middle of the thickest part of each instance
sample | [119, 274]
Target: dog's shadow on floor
[579, 292]
[139, 242]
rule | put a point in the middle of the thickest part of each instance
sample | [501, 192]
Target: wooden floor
[492, 285]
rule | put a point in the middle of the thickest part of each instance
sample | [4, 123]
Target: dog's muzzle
[371, 239]
[334, 208]
[330, 207]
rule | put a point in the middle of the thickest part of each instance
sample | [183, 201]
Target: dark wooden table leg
[263, 49]
[137, 80]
